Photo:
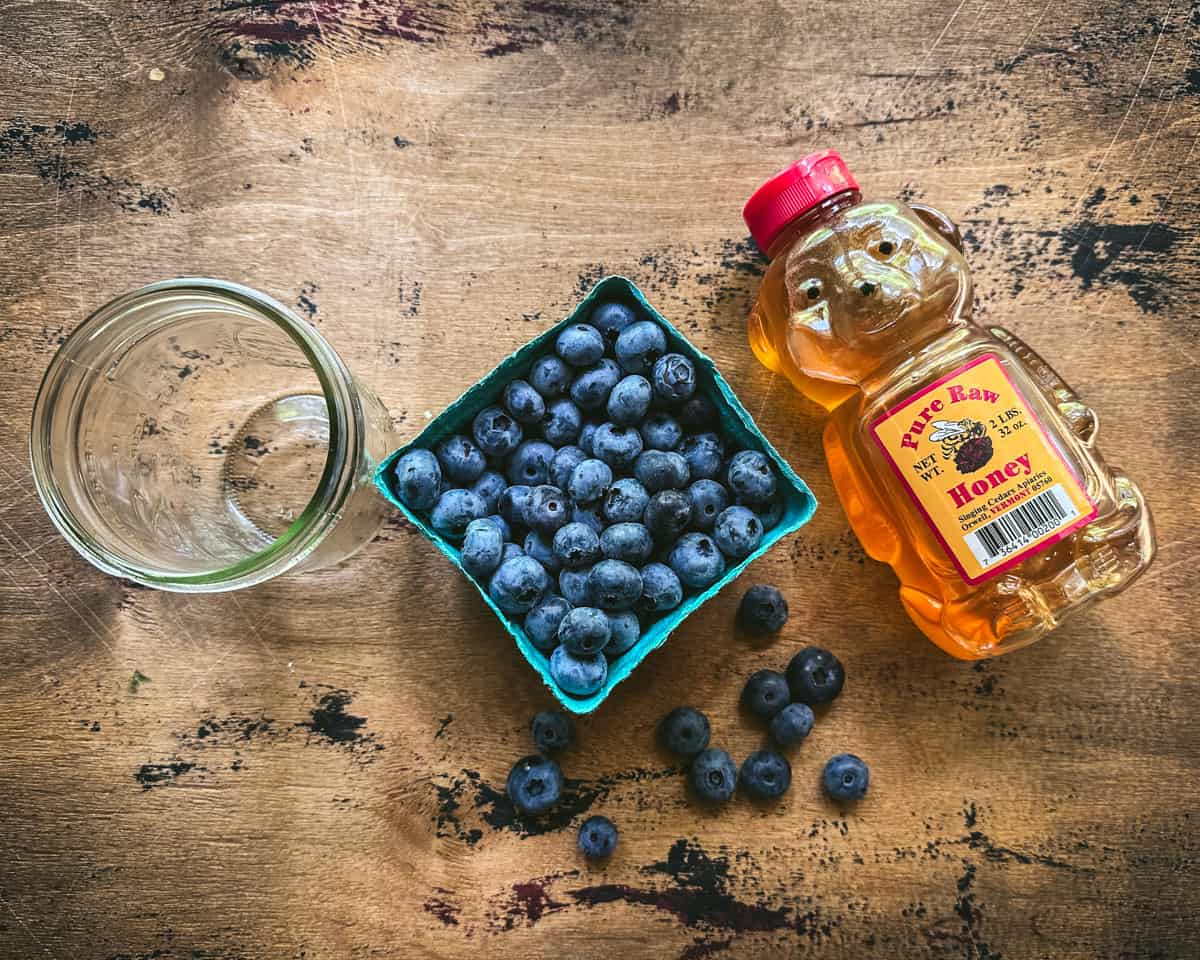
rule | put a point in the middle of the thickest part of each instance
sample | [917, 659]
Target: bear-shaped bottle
[962, 459]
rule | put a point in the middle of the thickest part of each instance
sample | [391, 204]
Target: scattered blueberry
[667, 515]
[713, 775]
[766, 774]
[616, 446]
[846, 777]
[550, 377]
[639, 345]
[592, 387]
[586, 433]
[577, 676]
[546, 510]
[699, 413]
[523, 402]
[561, 422]
[614, 585]
[625, 630]
[661, 589]
[576, 545]
[462, 462]
[684, 731]
[552, 730]
[703, 453]
[541, 623]
[696, 560]
[792, 724]
[674, 377]
[626, 501]
[630, 542]
[590, 481]
[580, 345]
[597, 837]
[770, 513]
[815, 676]
[488, 488]
[584, 631]
[574, 586]
[629, 400]
[661, 470]
[565, 461]
[750, 477]
[511, 550]
[661, 431]
[589, 515]
[708, 499]
[499, 521]
[763, 609]
[512, 504]
[534, 784]
[766, 693]
[496, 433]
[454, 510]
[738, 532]
[542, 550]
[530, 463]
[418, 479]
[483, 546]
[610, 319]
[518, 584]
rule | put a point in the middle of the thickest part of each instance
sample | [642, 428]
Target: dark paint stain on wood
[1095, 249]
[444, 910]
[151, 775]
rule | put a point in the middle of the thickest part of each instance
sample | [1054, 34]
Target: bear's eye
[813, 291]
[885, 248]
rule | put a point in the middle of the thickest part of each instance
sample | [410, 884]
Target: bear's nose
[866, 288]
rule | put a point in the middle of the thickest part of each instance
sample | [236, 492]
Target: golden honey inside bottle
[962, 459]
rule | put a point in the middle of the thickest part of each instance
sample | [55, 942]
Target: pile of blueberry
[596, 495]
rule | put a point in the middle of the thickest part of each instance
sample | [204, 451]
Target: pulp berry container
[798, 501]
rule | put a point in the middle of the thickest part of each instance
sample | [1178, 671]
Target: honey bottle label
[983, 471]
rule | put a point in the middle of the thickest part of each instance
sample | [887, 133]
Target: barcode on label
[1021, 526]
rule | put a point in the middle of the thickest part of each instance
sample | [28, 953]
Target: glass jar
[197, 436]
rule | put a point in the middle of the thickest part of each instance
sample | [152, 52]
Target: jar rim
[319, 515]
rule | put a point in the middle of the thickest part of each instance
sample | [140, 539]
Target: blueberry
[577, 676]
[580, 345]
[546, 510]
[511, 550]
[668, 515]
[530, 463]
[763, 609]
[713, 775]
[697, 561]
[566, 460]
[815, 676]
[684, 731]
[661, 470]
[418, 479]
[661, 431]
[588, 515]
[610, 319]
[846, 777]
[592, 387]
[639, 345]
[574, 586]
[699, 413]
[488, 488]
[674, 377]
[550, 377]
[791, 724]
[766, 693]
[625, 630]
[512, 504]
[462, 462]
[597, 838]
[584, 631]
[630, 542]
[542, 550]
[770, 513]
[626, 501]
[750, 477]
[518, 585]
[552, 730]
[496, 433]
[541, 623]
[766, 774]
[708, 499]
[454, 510]
[482, 548]
[703, 453]
[561, 422]
[499, 521]
[523, 402]
[614, 585]
[534, 784]
[586, 433]
[590, 481]
[661, 589]
[629, 400]
[738, 532]
[616, 446]
[576, 545]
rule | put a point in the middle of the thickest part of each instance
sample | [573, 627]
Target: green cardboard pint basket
[736, 423]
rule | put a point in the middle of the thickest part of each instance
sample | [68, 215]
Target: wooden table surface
[313, 768]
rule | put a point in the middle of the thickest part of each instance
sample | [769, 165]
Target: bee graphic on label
[965, 441]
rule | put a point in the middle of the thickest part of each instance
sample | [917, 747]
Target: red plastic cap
[793, 191]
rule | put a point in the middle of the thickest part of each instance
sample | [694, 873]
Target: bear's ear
[934, 218]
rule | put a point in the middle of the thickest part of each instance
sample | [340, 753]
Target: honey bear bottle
[961, 457]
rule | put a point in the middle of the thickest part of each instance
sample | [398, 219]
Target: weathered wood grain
[312, 769]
